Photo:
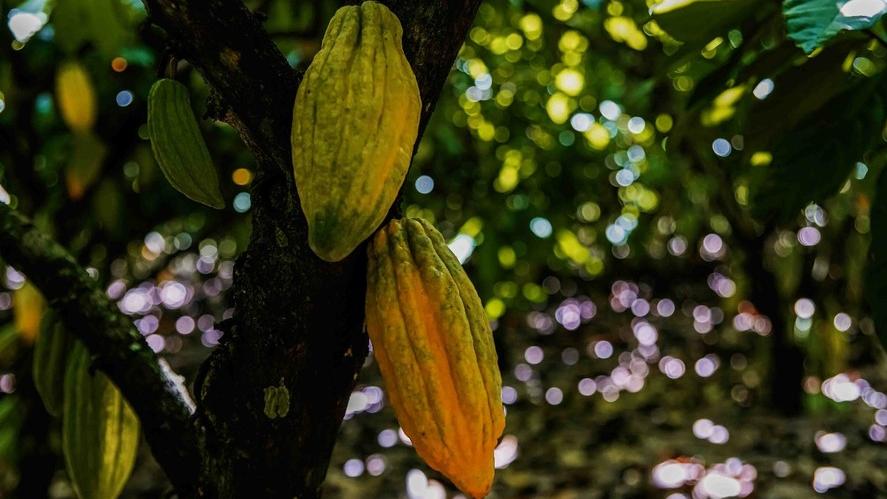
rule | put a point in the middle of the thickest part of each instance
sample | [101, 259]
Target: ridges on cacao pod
[50, 362]
[435, 350]
[75, 97]
[178, 144]
[355, 122]
[100, 432]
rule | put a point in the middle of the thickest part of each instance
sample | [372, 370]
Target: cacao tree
[298, 317]
[671, 213]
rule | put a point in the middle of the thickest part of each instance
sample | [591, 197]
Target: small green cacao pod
[179, 146]
[75, 97]
[100, 432]
[355, 122]
[50, 362]
[434, 346]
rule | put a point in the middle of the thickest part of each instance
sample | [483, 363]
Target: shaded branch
[117, 348]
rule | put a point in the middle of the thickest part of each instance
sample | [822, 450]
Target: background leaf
[813, 161]
[811, 23]
[699, 21]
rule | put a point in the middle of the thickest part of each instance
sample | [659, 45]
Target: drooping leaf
[811, 162]
[104, 23]
[740, 68]
[800, 93]
[85, 164]
[67, 17]
[876, 282]
[699, 21]
[812, 23]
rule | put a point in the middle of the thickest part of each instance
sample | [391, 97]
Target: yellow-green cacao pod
[179, 146]
[100, 432]
[28, 306]
[435, 350]
[355, 121]
[75, 97]
[50, 362]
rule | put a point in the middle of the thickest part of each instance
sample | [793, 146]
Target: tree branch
[117, 348]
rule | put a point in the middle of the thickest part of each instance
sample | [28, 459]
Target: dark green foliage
[812, 23]
[812, 161]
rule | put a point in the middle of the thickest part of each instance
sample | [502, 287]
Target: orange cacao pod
[435, 350]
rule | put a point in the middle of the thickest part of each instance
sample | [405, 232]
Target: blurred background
[674, 317]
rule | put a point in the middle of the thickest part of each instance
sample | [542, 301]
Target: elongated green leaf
[811, 23]
[876, 282]
[699, 21]
[813, 161]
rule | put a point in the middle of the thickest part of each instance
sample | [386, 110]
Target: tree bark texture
[298, 320]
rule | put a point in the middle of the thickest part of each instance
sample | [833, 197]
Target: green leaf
[105, 23]
[800, 93]
[70, 34]
[813, 160]
[811, 23]
[699, 21]
[876, 282]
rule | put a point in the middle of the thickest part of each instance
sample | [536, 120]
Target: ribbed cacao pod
[435, 350]
[179, 146]
[28, 306]
[75, 97]
[355, 122]
[100, 432]
[50, 362]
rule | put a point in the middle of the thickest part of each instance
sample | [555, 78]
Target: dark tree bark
[298, 320]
